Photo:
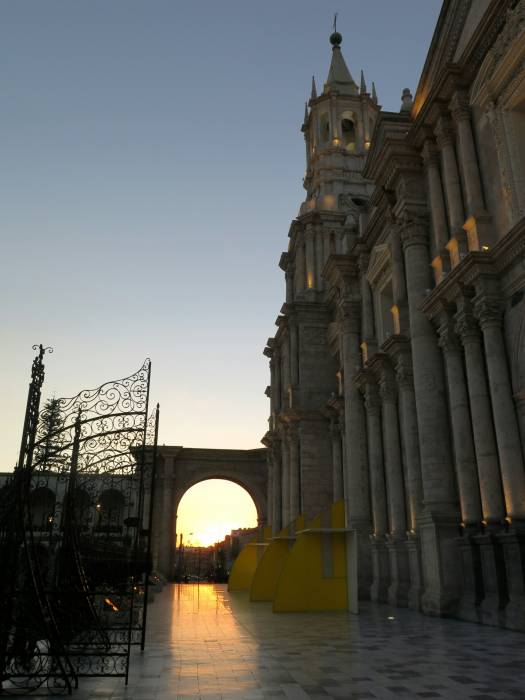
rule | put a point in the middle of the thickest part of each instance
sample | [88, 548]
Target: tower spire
[313, 94]
[339, 77]
[374, 93]
[362, 89]
[305, 112]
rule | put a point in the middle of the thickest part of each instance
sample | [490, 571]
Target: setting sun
[211, 509]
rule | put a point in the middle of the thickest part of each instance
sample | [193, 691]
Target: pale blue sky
[151, 163]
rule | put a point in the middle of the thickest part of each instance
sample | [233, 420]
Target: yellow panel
[243, 568]
[304, 584]
[264, 584]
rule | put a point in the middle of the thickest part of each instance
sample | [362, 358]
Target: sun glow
[211, 509]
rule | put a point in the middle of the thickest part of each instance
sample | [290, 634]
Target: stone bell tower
[306, 427]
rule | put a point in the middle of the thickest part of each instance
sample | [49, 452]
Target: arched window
[42, 502]
[110, 511]
[324, 128]
[348, 131]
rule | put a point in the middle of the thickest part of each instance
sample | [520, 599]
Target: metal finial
[335, 37]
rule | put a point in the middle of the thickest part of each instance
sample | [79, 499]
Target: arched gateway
[180, 468]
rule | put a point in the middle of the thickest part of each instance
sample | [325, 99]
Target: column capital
[466, 325]
[444, 131]
[350, 316]
[430, 154]
[372, 399]
[447, 332]
[414, 231]
[388, 385]
[404, 371]
[459, 106]
[488, 310]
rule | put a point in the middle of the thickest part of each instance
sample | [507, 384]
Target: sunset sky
[151, 166]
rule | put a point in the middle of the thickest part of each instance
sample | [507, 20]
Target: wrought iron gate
[75, 535]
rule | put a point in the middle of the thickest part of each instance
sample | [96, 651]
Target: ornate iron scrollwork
[74, 534]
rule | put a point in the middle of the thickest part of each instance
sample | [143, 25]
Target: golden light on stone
[310, 281]
[484, 248]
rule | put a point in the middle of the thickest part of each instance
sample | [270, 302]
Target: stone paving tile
[208, 644]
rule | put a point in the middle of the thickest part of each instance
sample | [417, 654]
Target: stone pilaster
[490, 314]
[438, 523]
[337, 460]
[481, 412]
[295, 476]
[285, 478]
[277, 521]
[167, 538]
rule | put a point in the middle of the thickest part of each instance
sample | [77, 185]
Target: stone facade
[398, 366]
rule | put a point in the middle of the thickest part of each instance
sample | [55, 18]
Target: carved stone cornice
[398, 349]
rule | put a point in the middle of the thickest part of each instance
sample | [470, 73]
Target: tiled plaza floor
[206, 643]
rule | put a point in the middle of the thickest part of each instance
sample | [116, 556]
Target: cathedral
[398, 363]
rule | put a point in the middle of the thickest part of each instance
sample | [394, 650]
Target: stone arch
[181, 468]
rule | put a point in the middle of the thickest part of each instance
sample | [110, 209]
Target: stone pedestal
[494, 579]
[469, 607]
[439, 563]
[399, 572]
[513, 545]
[414, 565]
[380, 570]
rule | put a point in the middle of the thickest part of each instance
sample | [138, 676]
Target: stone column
[467, 154]
[273, 389]
[465, 457]
[414, 486]
[398, 589]
[357, 497]
[437, 204]
[337, 461]
[490, 314]
[438, 524]
[277, 522]
[445, 138]
[295, 476]
[380, 562]
[399, 290]
[481, 412]
[285, 479]
[392, 456]
[407, 406]
[375, 458]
